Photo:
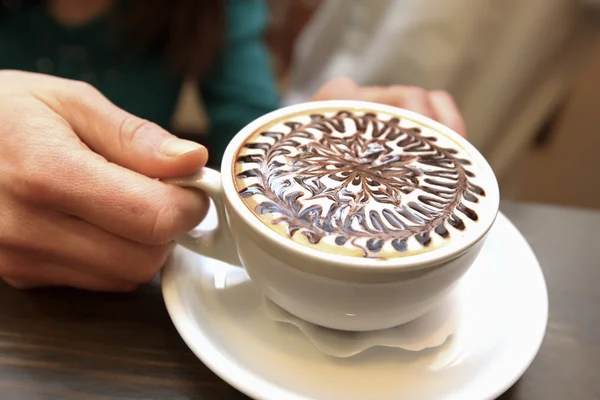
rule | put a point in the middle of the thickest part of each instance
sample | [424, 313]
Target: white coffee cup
[335, 291]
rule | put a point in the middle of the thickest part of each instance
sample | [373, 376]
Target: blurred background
[525, 74]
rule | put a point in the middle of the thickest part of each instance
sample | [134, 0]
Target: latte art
[359, 183]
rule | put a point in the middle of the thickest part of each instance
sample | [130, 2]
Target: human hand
[437, 105]
[80, 206]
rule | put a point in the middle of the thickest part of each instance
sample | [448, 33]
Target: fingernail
[173, 147]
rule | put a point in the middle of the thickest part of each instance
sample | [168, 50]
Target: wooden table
[68, 344]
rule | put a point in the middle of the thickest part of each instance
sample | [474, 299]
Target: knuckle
[38, 168]
[43, 180]
[163, 224]
[36, 185]
[130, 128]
[83, 88]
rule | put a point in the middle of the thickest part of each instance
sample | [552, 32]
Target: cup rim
[340, 263]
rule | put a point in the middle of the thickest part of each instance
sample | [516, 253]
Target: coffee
[359, 182]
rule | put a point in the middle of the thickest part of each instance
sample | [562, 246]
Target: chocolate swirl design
[367, 184]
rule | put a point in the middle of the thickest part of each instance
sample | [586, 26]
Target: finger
[447, 111]
[94, 250]
[115, 199]
[338, 89]
[26, 273]
[407, 97]
[83, 247]
[121, 137]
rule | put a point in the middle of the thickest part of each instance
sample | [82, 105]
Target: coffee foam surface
[360, 183]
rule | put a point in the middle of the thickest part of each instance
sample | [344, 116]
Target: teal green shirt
[241, 88]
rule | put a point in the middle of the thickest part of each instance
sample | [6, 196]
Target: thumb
[124, 139]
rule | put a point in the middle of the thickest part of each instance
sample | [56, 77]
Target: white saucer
[503, 317]
[429, 331]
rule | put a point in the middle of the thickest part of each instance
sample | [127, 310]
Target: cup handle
[217, 243]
